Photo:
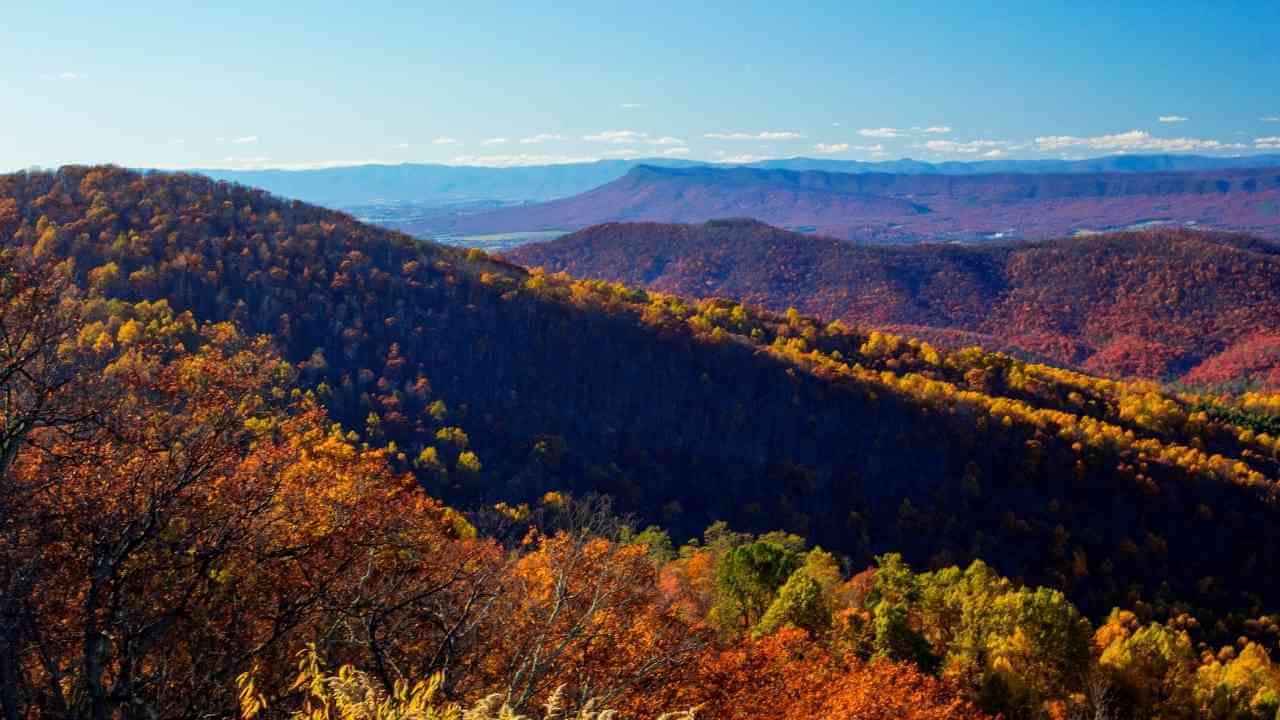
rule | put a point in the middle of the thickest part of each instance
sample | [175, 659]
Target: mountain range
[1166, 303]
[433, 185]
[889, 208]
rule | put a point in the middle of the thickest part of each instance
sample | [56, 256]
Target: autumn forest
[261, 460]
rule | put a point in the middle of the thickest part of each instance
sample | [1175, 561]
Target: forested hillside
[179, 514]
[500, 385]
[1168, 304]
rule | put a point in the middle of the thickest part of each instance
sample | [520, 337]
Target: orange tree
[586, 613]
[175, 512]
[790, 676]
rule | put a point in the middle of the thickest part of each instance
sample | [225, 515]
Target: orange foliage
[585, 613]
[790, 677]
[188, 513]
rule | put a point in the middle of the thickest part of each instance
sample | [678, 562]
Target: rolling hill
[498, 384]
[896, 208]
[1162, 303]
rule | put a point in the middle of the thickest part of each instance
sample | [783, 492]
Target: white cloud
[740, 158]
[676, 151]
[400, 146]
[444, 141]
[614, 136]
[632, 106]
[324, 164]
[628, 137]
[997, 152]
[252, 162]
[68, 75]
[622, 153]
[830, 148]
[1127, 141]
[518, 160]
[766, 135]
[541, 138]
[1267, 143]
[246, 140]
[263, 163]
[833, 148]
[937, 130]
[495, 141]
[1171, 119]
[1271, 118]
[177, 141]
[971, 147]
[883, 132]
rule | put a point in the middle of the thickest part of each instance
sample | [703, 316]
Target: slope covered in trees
[182, 536]
[898, 208]
[499, 385]
[1160, 303]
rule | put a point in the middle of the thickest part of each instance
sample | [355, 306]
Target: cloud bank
[767, 135]
[1133, 140]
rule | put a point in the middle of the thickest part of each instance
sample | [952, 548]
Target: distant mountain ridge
[885, 207]
[437, 185]
[1202, 307]
[433, 184]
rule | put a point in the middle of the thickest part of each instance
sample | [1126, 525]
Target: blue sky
[261, 84]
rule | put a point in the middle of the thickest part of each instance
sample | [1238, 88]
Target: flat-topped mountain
[892, 208]
[782, 197]
[1202, 307]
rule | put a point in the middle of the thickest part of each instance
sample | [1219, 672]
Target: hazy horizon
[654, 158]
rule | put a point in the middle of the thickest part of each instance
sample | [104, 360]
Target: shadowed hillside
[1160, 303]
[498, 384]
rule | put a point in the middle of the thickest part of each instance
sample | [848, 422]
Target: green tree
[800, 603]
[748, 578]
[894, 592]
[808, 599]
[1015, 647]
